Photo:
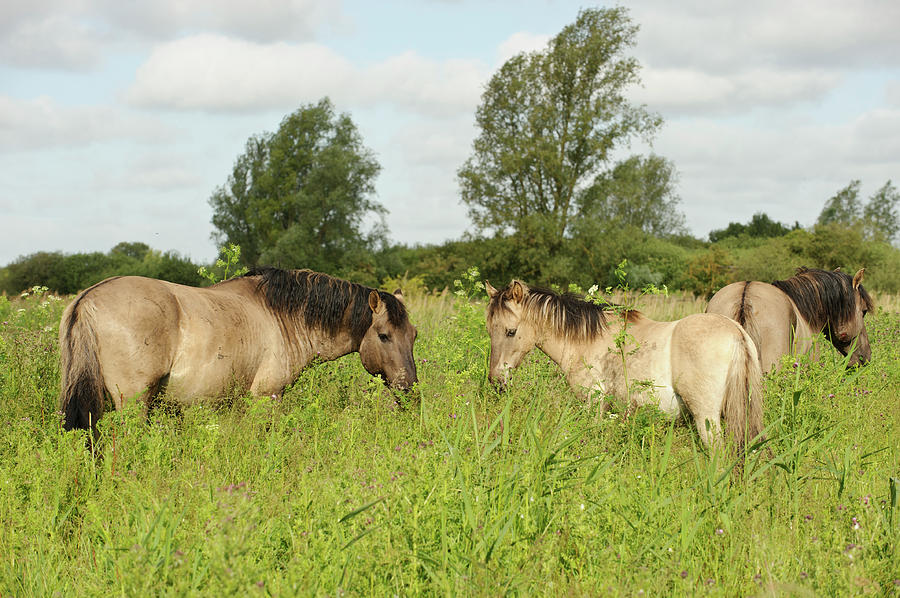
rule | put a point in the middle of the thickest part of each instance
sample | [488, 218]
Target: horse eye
[384, 338]
[510, 332]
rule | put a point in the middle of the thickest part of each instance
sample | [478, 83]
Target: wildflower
[582, 506]
[720, 532]
[803, 575]
[854, 522]
[808, 517]
[684, 574]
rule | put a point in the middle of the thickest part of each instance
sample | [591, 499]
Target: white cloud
[42, 123]
[53, 40]
[730, 169]
[690, 91]
[75, 34]
[216, 73]
[521, 42]
[892, 93]
[261, 20]
[423, 85]
[722, 36]
[212, 72]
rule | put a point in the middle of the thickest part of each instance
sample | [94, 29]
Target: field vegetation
[343, 488]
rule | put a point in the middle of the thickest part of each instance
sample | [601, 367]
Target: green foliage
[759, 227]
[548, 122]
[333, 489]
[300, 197]
[638, 192]
[709, 271]
[69, 274]
[228, 263]
[843, 208]
[881, 216]
[879, 219]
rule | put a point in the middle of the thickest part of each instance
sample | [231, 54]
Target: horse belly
[211, 361]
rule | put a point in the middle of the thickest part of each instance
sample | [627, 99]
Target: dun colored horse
[788, 315]
[703, 364]
[129, 336]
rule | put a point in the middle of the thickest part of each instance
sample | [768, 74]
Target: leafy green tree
[760, 227]
[881, 218]
[549, 121]
[843, 207]
[301, 197]
[637, 192]
[136, 250]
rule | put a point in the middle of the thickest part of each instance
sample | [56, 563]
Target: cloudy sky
[119, 119]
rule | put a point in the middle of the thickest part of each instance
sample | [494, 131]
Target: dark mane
[824, 298]
[565, 312]
[325, 302]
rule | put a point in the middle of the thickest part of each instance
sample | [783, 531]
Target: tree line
[548, 201]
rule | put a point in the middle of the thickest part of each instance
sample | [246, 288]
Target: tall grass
[343, 488]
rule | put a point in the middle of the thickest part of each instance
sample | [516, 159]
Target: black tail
[83, 393]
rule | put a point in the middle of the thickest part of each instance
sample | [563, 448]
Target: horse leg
[709, 427]
[126, 389]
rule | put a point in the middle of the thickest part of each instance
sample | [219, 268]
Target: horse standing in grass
[788, 315]
[129, 336]
[703, 364]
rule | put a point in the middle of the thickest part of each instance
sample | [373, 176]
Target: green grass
[336, 489]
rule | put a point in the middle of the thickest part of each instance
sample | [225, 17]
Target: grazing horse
[703, 364]
[788, 315]
[130, 335]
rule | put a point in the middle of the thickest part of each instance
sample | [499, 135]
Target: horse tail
[744, 314]
[83, 392]
[742, 405]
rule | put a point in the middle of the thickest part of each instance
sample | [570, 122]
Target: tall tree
[302, 197]
[843, 207]
[549, 121]
[638, 192]
[881, 218]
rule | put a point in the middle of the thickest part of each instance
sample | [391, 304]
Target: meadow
[343, 488]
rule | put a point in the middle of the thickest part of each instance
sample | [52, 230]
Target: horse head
[512, 335]
[386, 348]
[848, 335]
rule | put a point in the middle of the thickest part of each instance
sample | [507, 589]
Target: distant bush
[68, 274]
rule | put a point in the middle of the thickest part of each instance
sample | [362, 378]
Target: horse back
[765, 312]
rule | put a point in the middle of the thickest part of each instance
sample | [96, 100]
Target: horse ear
[517, 291]
[857, 278]
[375, 303]
[491, 291]
[398, 293]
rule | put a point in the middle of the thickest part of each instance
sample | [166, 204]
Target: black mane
[824, 298]
[566, 312]
[325, 302]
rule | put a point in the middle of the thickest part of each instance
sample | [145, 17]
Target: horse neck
[327, 346]
[314, 342]
[566, 351]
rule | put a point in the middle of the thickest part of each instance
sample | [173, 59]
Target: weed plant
[342, 487]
